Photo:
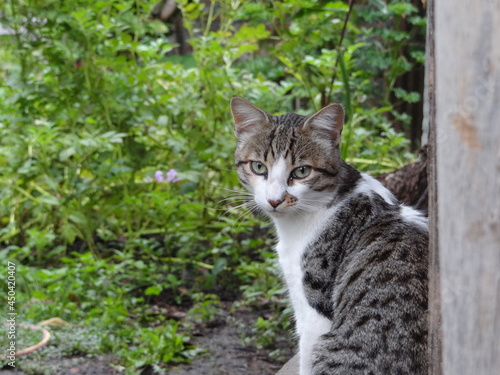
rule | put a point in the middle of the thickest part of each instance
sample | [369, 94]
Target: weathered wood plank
[467, 89]
[435, 333]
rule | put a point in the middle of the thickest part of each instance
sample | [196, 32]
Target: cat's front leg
[312, 327]
[305, 355]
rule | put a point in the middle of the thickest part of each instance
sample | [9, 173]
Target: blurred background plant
[116, 144]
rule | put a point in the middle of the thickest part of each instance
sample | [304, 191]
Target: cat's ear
[247, 117]
[328, 120]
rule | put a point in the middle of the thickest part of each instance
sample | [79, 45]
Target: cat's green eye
[258, 168]
[301, 172]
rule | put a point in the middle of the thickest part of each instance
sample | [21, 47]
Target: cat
[354, 260]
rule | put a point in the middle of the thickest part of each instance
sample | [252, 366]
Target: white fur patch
[369, 185]
[275, 187]
[295, 233]
[413, 216]
[276, 180]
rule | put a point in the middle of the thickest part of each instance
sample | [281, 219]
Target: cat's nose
[274, 203]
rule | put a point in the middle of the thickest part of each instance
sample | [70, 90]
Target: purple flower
[172, 176]
[159, 177]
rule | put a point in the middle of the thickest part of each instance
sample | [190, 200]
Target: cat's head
[290, 163]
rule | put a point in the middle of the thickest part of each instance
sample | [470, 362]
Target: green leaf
[69, 232]
[153, 290]
[336, 6]
[401, 9]
[410, 97]
[78, 218]
[49, 199]
[67, 153]
[162, 121]
[38, 294]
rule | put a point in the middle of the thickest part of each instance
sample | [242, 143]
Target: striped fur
[354, 260]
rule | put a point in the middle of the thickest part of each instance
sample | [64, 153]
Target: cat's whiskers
[235, 195]
[241, 203]
[251, 208]
[228, 211]
[235, 198]
[233, 190]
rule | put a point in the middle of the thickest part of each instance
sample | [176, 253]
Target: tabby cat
[355, 261]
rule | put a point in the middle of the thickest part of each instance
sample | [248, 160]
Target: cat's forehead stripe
[290, 119]
[282, 140]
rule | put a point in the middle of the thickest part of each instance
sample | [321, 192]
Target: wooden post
[435, 339]
[467, 140]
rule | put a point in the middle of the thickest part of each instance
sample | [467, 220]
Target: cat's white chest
[295, 235]
[290, 249]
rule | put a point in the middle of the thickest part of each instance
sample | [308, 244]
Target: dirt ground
[227, 355]
[223, 340]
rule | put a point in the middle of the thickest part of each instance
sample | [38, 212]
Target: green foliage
[94, 104]
[103, 298]
[265, 329]
[91, 107]
[205, 308]
[329, 52]
[64, 342]
[153, 346]
[261, 280]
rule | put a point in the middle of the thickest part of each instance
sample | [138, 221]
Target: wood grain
[435, 331]
[467, 140]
